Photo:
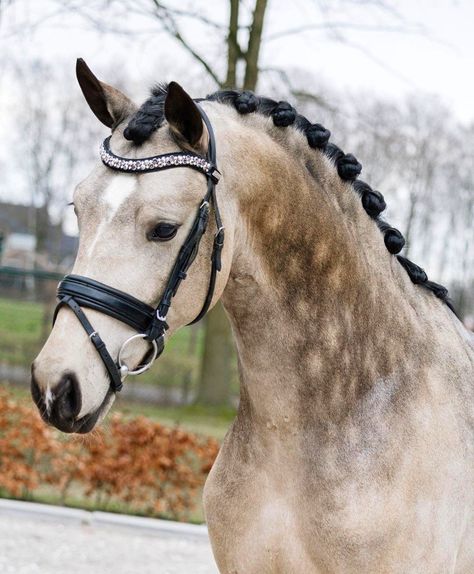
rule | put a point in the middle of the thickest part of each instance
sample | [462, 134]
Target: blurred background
[391, 80]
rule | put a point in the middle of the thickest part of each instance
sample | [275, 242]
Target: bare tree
[53, 142]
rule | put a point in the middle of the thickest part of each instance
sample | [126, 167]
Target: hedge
[136, 464]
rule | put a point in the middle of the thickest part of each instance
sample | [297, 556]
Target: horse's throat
[311, 333]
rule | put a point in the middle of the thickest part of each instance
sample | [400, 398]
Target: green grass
[20, 330]
[209, 421]
[21, 326]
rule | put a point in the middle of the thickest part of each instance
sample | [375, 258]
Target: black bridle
[77, 291]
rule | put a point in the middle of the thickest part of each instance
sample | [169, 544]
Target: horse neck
[320, 310]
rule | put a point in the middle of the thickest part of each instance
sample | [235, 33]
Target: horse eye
[162, 232]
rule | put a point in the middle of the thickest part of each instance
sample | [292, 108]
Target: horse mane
[150, 117]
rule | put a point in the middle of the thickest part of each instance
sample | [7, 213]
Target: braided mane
[150, 117]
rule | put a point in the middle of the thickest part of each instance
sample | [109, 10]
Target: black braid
[416, 273]
[266, 105]
[372, 201]
[419, 277]
[442, 293]
[394, 240]
[348, 167]
[283, 114]
[318, 136]
[246, 102]
[334, 153]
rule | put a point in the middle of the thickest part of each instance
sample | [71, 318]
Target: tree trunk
[253, 49]
[233, 48]
[42, 225]
[410, 222]
[191, 351]
[214, 385]
[216, 367]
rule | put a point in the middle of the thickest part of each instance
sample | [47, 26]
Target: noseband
[77, 291]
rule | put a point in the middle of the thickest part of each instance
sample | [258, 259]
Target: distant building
[19, 250]
[18, 239]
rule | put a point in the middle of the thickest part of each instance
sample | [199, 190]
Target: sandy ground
[30, 545]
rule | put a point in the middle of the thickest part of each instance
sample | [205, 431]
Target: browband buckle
[214, 174]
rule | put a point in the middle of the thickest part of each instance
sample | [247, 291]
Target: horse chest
[274, 517]
[257, 535]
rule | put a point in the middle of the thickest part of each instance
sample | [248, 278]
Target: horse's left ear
[108, 104]
[183, 116]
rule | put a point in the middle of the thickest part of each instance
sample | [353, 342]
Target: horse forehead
[119, 187]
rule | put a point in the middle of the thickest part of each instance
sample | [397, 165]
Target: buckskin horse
[352, 448]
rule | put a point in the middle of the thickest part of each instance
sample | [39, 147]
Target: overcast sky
[421, 47]
[433, 53]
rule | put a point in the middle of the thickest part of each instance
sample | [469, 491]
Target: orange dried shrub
[150, 468]
[153, 468]
[26, 448]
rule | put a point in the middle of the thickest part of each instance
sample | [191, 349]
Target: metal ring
[141, 368]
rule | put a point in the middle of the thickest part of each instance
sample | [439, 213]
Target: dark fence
[28, 284]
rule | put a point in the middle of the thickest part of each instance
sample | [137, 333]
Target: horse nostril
[67, 398]
[34, 388]
[58, 405]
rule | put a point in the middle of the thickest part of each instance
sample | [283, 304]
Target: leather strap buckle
[214, 175]
[219, 237]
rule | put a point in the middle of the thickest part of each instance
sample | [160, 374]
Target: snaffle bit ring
[124, 370]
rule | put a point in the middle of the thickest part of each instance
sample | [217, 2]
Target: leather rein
[78, 291]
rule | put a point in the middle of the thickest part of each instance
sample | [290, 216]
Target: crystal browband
[157, 162]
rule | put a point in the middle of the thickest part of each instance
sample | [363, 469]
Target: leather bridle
[77, 291]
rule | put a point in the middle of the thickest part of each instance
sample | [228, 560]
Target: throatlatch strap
[216, 259]
[96, 340]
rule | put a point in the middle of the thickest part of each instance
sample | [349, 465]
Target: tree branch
[194, 16]
[299, 94]
[338, 25]
[171, 27]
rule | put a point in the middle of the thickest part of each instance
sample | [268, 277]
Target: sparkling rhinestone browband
[157, 162]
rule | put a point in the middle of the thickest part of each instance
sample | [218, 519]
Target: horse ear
[108, 104]
[183, 116]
